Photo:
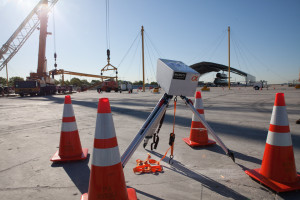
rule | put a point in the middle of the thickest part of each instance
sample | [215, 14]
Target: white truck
[126, 86]
[259, 85]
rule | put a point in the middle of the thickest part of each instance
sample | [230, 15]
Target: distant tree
[59, 82]
[12, 80]
[153, 83]
[67, 82]
[56, 82]
[2, 81]
[95, 81]
[138, 83]
[75, 82]
[122, 81]
[85, 82]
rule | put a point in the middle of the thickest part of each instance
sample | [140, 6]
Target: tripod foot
[231, 155]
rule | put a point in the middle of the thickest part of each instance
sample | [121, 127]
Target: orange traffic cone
[278, 169]
[198, 133]
[107, 178]
[69, 145]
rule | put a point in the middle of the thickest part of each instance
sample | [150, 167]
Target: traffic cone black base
[57, 158]
[131, 195]
[196, 144]
[274, 185]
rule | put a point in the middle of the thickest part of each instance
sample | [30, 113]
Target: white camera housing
[176, 78]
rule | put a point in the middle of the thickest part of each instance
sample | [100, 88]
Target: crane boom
[23, 32]
[61, 71]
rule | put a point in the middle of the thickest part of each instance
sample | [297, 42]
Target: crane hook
[108, 54]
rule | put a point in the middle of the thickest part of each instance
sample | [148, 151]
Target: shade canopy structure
[206, 67]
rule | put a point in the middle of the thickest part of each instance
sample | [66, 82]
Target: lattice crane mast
[23, 32]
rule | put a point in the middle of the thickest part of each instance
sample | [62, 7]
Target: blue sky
[265, 39]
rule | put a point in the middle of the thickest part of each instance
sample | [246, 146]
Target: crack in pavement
[34, 188]
[18, 164]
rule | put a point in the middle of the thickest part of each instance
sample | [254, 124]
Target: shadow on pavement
[147, 195]
[252, 133]
[206, 181]
[293, 195]
[79, 173]
[237, 155]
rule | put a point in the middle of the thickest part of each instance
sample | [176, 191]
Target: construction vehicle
[155, 90]
[6, 90]
[259, 85]
[221, 79]
[205, 89]
[1, 91]
[108, 86]
[34, 87]
[38, 83]
[63, 89]
[125, 86]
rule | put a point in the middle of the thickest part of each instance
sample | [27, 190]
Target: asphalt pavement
[30, 131]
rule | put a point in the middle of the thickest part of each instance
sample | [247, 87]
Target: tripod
[148, 129]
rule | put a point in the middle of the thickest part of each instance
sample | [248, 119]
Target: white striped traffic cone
[69, 145]
[278, 169]
[198, 133]
[107, 178]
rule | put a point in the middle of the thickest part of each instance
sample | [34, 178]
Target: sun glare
[26, 4]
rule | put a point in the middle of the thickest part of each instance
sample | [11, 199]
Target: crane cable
[107, 31]
[107, 25]
[108, 39]
[172, 138]
[129, 49]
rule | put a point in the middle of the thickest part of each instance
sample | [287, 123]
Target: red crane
[39, 82]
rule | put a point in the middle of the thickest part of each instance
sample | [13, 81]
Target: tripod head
[176, 78]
